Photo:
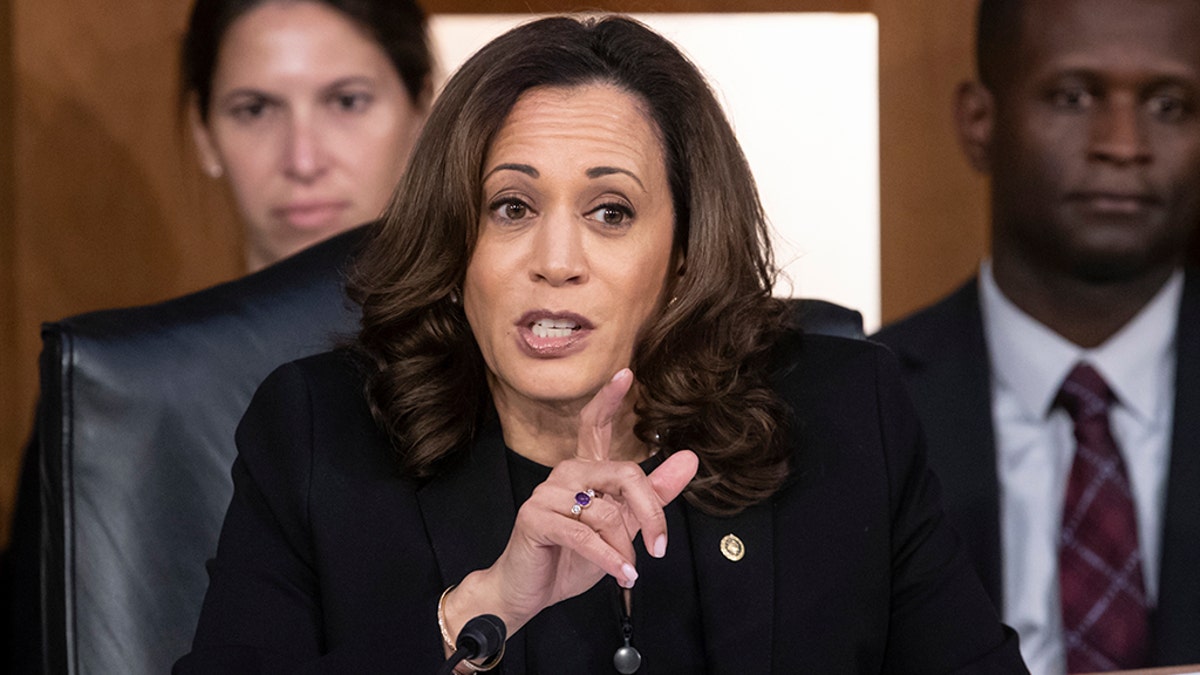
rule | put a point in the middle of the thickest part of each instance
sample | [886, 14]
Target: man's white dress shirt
[1035, 446]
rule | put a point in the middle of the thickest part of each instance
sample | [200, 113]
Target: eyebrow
[1171, 80]
[598, 171]
[523, 168]
[234, 95]
[350, 81]
[593, 173]
[1156, 81]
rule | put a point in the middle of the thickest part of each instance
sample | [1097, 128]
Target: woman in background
[310, 108]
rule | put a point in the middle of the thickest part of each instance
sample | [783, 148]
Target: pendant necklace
[627, 659]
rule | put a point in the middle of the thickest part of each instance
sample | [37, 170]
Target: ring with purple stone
[582, 501]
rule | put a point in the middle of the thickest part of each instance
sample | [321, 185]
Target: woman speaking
[567, 325]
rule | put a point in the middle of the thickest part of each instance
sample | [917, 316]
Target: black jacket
[330, 561]
[944, 357]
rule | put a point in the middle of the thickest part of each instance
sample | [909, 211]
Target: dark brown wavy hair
[702, 362]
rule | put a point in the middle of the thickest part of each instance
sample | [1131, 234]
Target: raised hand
[554, 554]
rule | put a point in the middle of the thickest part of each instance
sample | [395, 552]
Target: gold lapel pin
[732, 547]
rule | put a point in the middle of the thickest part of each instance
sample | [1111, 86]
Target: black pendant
[627, 659]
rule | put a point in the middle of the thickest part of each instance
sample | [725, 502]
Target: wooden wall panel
[108, 209]
[934, 222]
[10, 420]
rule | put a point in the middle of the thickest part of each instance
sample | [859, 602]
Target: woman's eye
[511, 209]
[249, 111]
[515, 210]
[612, 215]
[352, 102]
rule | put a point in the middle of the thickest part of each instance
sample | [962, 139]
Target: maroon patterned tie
[1104, 610]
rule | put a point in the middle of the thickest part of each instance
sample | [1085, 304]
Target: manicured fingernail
[660, 546]
[630, 575]
[620, 373]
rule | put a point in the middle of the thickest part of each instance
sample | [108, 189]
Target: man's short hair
[997, 33]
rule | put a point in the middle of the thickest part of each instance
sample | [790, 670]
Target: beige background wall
[101, 204]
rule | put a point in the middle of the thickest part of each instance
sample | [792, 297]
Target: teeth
[553, 328]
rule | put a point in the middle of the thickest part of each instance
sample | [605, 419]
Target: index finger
[595, 420]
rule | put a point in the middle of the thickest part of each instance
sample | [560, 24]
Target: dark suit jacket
[330, 561]
[944, 357]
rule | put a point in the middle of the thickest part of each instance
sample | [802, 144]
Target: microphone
[481, 638]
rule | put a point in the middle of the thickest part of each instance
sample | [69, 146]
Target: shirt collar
[1030, 361]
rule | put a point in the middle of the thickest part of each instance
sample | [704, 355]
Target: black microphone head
[482, 637]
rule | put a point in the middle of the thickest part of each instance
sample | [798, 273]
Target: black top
[329, 561]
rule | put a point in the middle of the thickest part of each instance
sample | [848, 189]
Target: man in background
[1060, 389]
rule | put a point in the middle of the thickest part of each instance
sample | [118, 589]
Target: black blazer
[330, 561]
[944, 357]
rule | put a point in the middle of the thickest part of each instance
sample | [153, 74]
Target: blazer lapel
[469, 513]
[737, 597]
[949, 372]
[1176, 622]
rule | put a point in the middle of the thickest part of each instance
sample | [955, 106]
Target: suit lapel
[1176, 622]
[469, 513]
[737, 598]
[949, 372]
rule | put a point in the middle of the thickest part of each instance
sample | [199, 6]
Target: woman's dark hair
[398, 26]
[701, 363]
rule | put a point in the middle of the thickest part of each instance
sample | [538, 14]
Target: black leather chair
[827, 318]
[136, 438]
[138, 408]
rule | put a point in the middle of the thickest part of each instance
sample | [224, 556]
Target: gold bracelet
[470, 665]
